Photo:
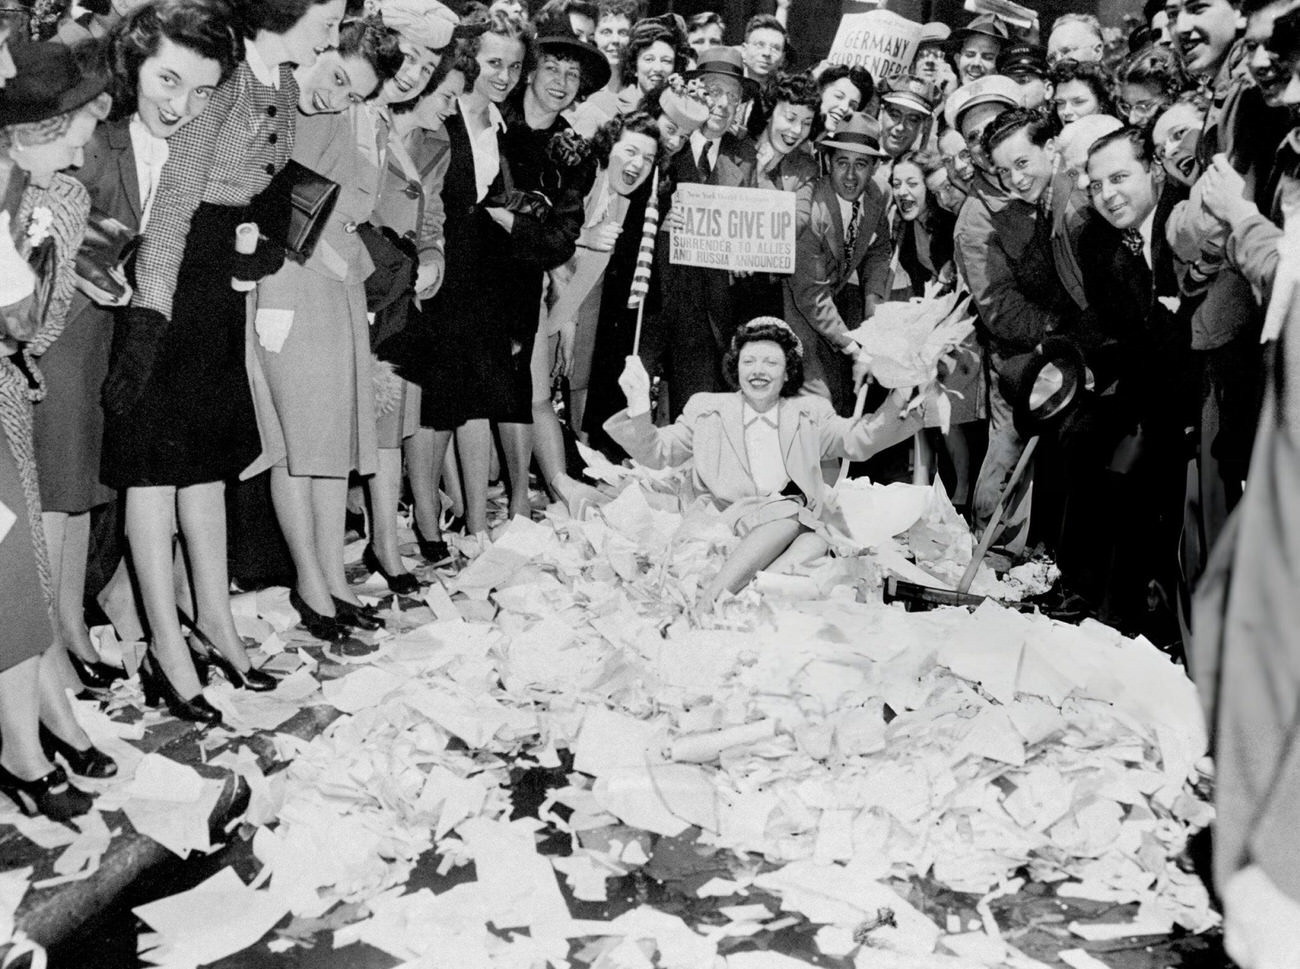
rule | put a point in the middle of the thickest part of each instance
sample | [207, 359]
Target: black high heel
[435, 552]
[200, 660]
[93, 674]
[327, 628]
[159, 689]
[358, 617]
[403, 583]
[251, 679]
[91, 762]
[43, 795]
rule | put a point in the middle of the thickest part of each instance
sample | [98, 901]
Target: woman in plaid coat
[179, 412]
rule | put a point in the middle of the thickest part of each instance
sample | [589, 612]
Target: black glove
[533, 204]
[264, 261]
[136, 339]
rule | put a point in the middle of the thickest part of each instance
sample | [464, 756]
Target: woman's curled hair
[205, 27]
[771, 329]
[456, 58]
[273, 16]
[379, 45]
[608, 134]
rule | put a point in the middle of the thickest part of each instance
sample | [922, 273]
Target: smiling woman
[168, 59]
[757, 451]
[178, 407]
[368, 55]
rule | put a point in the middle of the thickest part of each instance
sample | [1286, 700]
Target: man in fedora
[841, 258]
[698, 314]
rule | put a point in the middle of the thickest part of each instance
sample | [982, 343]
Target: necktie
[1133, 241]
[706, 167]
[851, 231]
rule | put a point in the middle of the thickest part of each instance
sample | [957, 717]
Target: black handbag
[292, 210]
[107, 246]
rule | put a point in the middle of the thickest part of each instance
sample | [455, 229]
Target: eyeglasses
[1140, 107]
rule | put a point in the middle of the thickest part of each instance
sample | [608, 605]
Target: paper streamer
[645, 255]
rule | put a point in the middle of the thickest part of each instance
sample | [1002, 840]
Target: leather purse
[107, 246]
[293, 209]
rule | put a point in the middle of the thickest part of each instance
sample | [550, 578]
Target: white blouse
[763, 447]
[487, 153]
[151, 154]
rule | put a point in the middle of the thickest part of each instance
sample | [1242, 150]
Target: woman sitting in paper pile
[758, 451]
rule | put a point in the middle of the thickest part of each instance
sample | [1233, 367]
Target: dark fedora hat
[987, 24]
[556, 37]
[50, 82]
[859, 133]
[725, 62]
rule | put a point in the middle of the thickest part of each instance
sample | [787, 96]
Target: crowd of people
[485, 288]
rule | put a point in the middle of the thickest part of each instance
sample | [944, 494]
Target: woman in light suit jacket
[757, 451]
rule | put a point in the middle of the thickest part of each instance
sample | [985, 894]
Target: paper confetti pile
[830, 749]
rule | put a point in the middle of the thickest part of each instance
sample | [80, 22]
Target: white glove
[17, 281]
[635, 384]
[1261, 923]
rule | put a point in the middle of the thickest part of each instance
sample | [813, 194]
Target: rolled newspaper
[246, 236]
[700, 748]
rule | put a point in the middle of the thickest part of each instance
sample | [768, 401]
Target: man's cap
[990, 89]
[933, 33]
[910, 92]
[1021, 60]
[859, 133]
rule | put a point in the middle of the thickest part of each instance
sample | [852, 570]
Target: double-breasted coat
[311, 388]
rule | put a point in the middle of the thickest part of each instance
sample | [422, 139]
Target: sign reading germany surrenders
[737, 229]
[879, 40]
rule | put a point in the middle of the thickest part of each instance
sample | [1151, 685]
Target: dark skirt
[68, 424]
[25, 630]
[195, 422]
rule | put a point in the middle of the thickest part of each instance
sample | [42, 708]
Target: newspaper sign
[737, 229]
[879, 40]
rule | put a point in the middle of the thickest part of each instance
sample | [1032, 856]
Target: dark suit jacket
[821, 274]
[109, 173]
[699, 314]
[1150, 353]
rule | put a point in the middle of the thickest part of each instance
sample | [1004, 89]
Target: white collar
[749, 416]
[264, 72]
[495, 121]
[1148, 224]
[698, 141]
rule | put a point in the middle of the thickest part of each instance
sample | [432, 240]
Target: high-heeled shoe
[250, 679]
[403, 583]
[91, 762]
[435, 552]
[358, 617]
[93, 674]
[50, 795]
[159, 689]
[327, 628]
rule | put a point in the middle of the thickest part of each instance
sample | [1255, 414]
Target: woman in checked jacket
[179, 412]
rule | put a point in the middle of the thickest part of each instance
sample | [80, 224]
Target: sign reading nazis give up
[737, 229]
[879, 40]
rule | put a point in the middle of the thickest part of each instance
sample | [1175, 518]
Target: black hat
[50, 82]
[1020, 60]
[556, 37]
[727, 62]
[988, 24]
